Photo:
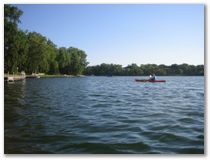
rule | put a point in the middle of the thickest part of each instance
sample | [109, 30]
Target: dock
[13, 78]
[22, 76]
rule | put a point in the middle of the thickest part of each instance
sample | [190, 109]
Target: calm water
[104, 115]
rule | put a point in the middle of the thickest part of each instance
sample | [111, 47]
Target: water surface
[104, 115]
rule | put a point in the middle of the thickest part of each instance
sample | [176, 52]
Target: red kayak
[147, 80]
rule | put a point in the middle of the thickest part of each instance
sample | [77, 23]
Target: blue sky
[123, 34]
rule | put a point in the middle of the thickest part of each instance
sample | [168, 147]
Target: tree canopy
[145, 70]
[33, 53]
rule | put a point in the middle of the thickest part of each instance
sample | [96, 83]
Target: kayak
[148, 80]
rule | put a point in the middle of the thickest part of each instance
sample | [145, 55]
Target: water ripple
[104, 115]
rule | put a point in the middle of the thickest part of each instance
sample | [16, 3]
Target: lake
[104, 115]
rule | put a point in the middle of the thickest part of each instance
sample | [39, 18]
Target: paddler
[153, 77]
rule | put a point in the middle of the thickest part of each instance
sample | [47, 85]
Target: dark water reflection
[104, 115]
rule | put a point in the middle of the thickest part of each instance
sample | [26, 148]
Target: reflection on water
[104, 115]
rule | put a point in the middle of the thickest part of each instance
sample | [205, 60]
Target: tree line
[144, 70]
[33, 53]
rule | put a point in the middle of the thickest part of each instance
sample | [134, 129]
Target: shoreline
[73, 76]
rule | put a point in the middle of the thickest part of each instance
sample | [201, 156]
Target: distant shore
[72, 76]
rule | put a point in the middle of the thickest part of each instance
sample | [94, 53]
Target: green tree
[134, 70]
[200, 70]
[13, 38]
[51, 53]
[38, 59]
[78, 61]
[63, 60]
[23, 48]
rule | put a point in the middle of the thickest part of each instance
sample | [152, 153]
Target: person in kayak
[152, 78]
